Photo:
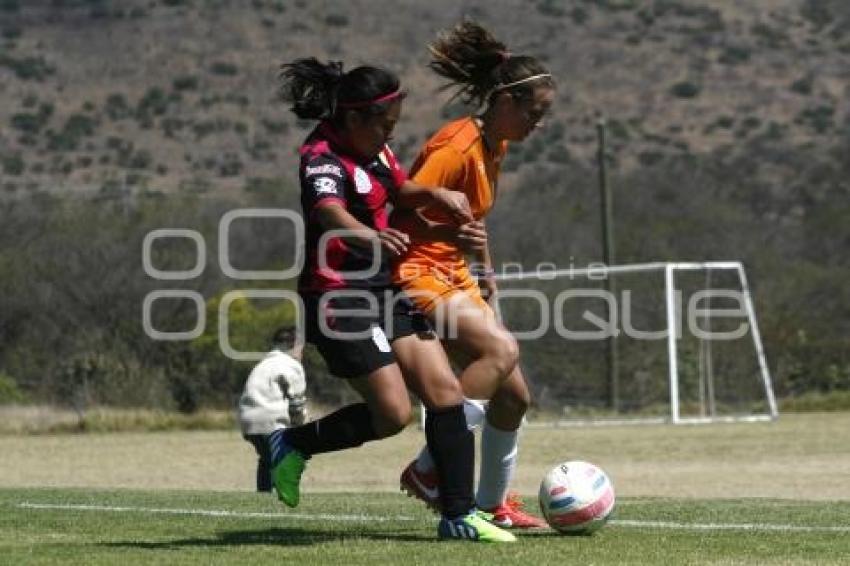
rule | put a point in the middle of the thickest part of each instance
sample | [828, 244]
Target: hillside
[180, 94]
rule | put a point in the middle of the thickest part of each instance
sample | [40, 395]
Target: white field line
[728, 526]
[378, 518]
[214, 513]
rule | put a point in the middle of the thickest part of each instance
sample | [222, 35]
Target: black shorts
[353, 330]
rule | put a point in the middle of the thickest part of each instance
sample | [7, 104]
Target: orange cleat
[421, 485]
[509, 515]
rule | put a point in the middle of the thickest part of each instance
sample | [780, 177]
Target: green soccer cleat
[474, 527]
[287, 467]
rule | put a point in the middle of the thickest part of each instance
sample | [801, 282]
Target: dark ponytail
[311, 87]
[478, 65]
[319, 91]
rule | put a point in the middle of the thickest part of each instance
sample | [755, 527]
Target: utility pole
[606, 209]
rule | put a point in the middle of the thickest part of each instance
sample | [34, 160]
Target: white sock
[498, 462]
[474, 412]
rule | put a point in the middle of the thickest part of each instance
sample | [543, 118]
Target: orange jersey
[456, 158]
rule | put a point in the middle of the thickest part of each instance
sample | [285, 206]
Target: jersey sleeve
[323, 180]
[445, 167]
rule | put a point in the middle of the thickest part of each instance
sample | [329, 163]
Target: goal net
[657, 342]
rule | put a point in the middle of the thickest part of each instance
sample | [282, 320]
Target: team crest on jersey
[325, 169]
[362, 182]
[325, 185]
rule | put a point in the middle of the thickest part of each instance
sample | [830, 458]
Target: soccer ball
[576, 498]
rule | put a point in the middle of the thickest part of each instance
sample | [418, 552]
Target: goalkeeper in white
[273, 398]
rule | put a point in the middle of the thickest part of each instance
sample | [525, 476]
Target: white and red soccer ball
[576, 498]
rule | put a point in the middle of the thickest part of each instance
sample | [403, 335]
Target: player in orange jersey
[465, 155]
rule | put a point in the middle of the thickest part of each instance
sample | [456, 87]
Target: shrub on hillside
[117, 107]
[27, 122]
[734, 55]
[13, 165]
[28, 68]
[336, 20]
[685, 89]
[185, 82]
[224, 68]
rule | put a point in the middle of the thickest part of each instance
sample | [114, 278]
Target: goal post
[717, 374]
[672, 340]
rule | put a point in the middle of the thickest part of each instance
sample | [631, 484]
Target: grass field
[110, 527]
[727, 494]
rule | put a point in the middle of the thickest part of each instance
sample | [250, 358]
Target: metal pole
[709, 357]
[672, 336]
[608, 259]
[751, 315]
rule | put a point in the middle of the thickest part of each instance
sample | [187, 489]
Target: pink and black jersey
[329, 176]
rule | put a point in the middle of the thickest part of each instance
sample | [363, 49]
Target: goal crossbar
[669, 270]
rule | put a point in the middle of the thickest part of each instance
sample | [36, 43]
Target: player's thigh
[471, 331]
[385, 393]
[426, 370]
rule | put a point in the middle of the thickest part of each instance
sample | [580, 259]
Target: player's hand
[471, 237]
[455, 203]
[394, 241]
[487, 284]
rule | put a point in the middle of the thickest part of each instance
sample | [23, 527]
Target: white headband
[521, 81]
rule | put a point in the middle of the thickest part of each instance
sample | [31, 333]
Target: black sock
[348, 427]
[452, 446]
[261, 445]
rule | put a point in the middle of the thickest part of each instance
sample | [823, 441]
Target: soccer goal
[644, 343]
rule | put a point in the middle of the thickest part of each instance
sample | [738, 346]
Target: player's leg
[505, 411]
[357, 351]
[454, 314]
[500, 434]
[499, 440]
[419, 479]
[487, 351]
[499, 452]
[384, 412]
[450, 442]
[261, 446]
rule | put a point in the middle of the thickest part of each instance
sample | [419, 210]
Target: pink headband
[378, 100]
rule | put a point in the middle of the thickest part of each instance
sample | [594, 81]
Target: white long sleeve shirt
[274, 395]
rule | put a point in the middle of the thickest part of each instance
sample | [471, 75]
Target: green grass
[133, 535]
[44, 419]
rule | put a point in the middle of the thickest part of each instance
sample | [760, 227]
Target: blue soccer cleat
[474, 527]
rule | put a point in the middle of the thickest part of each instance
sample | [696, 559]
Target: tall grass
[43, 419]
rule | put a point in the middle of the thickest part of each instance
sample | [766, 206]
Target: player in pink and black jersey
[364, 328]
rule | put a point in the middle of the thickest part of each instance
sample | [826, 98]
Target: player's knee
[519, 401]
[505, 354]
[393, 419]
[443, 393]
